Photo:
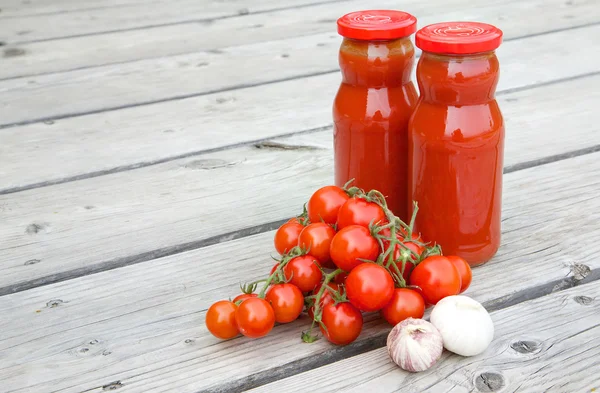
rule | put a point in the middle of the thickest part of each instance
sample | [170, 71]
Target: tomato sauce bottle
[374, 102]
[456, 140]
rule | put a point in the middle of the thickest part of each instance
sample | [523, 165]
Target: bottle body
[371, 112]
[456, 150]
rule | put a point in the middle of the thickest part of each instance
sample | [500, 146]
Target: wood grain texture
[126, 15]
[142, 325]
[109, 48]
[544, 345]
[141, 214]
[61, 150]
[156, 80]
[19, 8]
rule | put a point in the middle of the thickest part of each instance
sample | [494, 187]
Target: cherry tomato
[287, 302]
[464, 270]
[316, 238]
[405, 303]
[255, 317]
[324, 204]
[293, 220]
[244, 296]
[357, 211]
[303, 272]
[343, 323]
[400, 252]
[369, 287]
[352, 244]
[326, 298]
[220, 320]
[437, 278]
[286, 236]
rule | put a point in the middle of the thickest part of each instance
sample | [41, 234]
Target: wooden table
[149, 149]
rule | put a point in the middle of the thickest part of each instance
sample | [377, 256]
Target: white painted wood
[563, 333]
[100, 220]
[94, 50]
[104, 141]
[131, 324]
[130, 15]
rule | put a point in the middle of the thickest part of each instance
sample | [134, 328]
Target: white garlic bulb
[415, 344]
[465, 325]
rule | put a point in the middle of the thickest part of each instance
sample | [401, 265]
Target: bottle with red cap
[374, 103]
[456, 140]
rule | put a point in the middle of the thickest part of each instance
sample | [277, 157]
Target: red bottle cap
[374, 25]
[458, 37]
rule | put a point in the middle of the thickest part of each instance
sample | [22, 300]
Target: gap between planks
[147, 326]
[188, 241]
[240, 12]
[526, 335]
[236, 86]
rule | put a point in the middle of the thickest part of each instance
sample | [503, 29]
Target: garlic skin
[465, 325]
[415, 344]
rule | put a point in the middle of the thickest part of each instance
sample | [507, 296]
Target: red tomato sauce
[373, 106]
[456, 147]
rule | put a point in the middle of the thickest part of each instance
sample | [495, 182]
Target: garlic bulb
[415, 344]
[465, 325]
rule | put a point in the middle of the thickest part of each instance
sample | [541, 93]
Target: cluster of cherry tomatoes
[346, 254]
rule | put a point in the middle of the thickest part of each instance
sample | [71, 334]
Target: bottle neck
[377, 63]
[458, 79]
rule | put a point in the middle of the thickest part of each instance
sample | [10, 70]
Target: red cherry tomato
[400, 252]
[464, 270]
[437, 278]
[287, 302]
[255, 317]
[326, 297]
[244, 296]
[369, 287]
[303, 272]
[343, 323]
[220, 320]
[357, 211]
[324, 204]
[316, 238]
[352, 244]
[286, 236]
[405, 303]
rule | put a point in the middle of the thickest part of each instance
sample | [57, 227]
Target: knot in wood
[525, 346]
[489, 382]
[189, 341]
[54, 303]
[584, 300]
[580, 271]
[32, 262]
[113, 386]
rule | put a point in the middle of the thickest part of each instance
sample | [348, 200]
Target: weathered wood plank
[131, 15]
[168, 130]
[142, 325]
[156, 80]
[99, 223]
[18, 8]
[545, 345]
[88, 51]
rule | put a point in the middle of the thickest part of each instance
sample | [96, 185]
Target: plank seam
[227, 89]
[241, 13]
[262, 42]
[336, 354]
[143, 164]
[229, 236]
[139, 258]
